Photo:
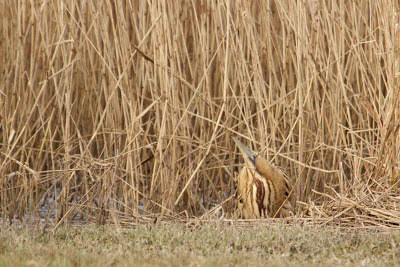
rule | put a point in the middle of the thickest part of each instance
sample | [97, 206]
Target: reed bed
[122, 111]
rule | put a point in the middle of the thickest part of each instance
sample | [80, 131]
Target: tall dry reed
[122, 111]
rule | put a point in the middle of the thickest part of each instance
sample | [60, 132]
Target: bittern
[263, 189]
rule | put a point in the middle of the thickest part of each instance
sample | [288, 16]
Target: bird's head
[248, 154]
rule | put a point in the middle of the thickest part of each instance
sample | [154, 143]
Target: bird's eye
[241, 201]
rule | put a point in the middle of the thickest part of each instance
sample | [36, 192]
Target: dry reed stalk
[122, 111]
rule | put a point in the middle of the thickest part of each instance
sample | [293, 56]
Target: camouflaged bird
[263, 189]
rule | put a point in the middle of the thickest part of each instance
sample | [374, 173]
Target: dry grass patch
[207, 244]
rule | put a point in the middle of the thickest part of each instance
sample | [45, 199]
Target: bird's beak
[248, 154]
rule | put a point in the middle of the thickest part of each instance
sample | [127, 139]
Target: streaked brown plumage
[262, 188]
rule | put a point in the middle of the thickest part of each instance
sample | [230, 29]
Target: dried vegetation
[123, 111]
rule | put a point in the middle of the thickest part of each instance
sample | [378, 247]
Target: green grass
[206, 245]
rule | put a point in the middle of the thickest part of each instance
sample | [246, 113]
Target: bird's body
[262, 188]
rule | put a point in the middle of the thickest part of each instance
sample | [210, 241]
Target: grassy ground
[207, 245]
